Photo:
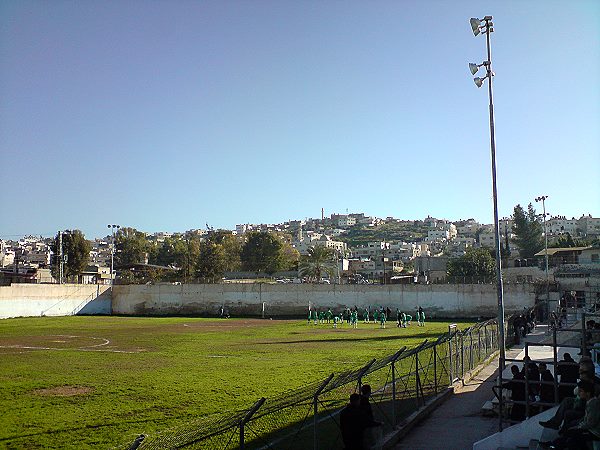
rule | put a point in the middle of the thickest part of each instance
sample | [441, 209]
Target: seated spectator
[576, 435]
[568, 371]
[517, 388]
[532, 374]
[546, 390]
[353, 423]
[571, 410]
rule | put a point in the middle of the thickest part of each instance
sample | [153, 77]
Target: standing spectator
[546, 390]
[354, 420]
[517, 388]
[568, 370]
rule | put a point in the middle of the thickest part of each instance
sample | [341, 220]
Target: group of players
[380, 316]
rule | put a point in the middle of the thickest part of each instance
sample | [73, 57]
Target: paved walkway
[458, 423]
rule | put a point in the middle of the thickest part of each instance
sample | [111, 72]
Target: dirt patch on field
[63, 391]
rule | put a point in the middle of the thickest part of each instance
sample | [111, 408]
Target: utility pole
[60, 258]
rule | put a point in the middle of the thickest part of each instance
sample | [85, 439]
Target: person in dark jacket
[568, 370]
[354, 420]
[546, 390]
[517, 388]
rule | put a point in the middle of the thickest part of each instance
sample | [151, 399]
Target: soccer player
[354, 318]
[408, 319]
[366, 315]
[328, 315]
[422, 318]
[376, 315]
[382, 319]
[321, 317]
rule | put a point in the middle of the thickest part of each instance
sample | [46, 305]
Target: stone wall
[281, 300]
[27, 300]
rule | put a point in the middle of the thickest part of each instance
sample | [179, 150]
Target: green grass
[156, 373]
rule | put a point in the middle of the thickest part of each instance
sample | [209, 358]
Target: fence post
[394, 359]
[138, 441]
[417, 378]
[435, 380]
[247, 417]
[362, 372]
[479, 344]
[472, 360]
[485, 340]
[316, 407]
[462, 357]
[450, 359]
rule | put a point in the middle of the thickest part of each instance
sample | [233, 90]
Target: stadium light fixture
[486, 27]
[475, 25]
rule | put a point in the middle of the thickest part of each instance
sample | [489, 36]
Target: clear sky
[167, 115]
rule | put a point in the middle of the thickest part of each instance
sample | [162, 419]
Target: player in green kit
[321, 317]
[376, 315]
[366, 315]
[382, 319]
[354, 318]
[328, 315]
[309, 315]
[408, 319]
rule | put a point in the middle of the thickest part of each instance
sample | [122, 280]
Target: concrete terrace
[458, 423]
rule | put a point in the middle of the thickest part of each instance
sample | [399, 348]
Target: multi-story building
[561, 225]
[590, 226]
[487, 239]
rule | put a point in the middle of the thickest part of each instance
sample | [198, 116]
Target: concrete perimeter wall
[27, 300]
[438, 300]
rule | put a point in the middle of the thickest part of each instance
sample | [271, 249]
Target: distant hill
[391, 231]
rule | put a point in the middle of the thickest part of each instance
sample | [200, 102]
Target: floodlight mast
[487, 27]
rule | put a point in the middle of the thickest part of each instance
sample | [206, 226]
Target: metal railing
[308, 417]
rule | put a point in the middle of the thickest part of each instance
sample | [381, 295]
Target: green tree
[528, 231]
[231, 247]
[318, 262]
[263, 252]
[476, 262]
[132, 247]
[76, 250]
[212, 262]
[181, 252]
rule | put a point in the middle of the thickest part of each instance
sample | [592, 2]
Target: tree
[262, 252]
[76, 253]
[131, 247]
[178, 251]
[212, 261]
[528, 231]
[231, 247]
[476, 262]
[318, 261]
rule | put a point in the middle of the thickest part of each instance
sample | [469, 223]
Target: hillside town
[366, 249]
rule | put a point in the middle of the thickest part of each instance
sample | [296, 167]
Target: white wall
[27, 300]
[439, 300]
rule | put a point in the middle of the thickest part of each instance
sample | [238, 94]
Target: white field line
[88, 348]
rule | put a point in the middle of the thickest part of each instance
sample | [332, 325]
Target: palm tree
[319, 261]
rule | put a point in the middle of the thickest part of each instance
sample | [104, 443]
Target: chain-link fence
[308, 417]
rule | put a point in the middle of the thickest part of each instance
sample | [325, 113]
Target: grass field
[77, 382]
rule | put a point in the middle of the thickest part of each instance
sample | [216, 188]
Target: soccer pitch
[76, 382]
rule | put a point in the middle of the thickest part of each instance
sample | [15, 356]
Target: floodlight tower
[543, 198]
[112, 253]
[485, 26]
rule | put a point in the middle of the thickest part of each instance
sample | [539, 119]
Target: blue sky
[167, 115]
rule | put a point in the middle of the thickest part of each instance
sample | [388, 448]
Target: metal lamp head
[474, 68]
[478, 81]
[475, 24]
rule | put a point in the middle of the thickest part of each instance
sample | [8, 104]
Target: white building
[561, 225]
[590, 226]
